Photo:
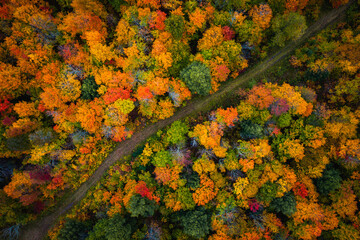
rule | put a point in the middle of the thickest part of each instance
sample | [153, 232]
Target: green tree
[196, 223]
[250, 130]
[329, 181]
[176, 134]
[141, 206]
[175, 24]
[267, 192]
[113, 228]
[284, 120]
[285, 204]
[287, 27]
[73, 230]
[197, 77]
[89, 89]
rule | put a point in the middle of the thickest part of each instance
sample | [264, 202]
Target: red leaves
[300, 190]
[144, 191]
[114, 94]
[254, 205]
[40, 174]
[143, 93]
[159, 22]
[4, 106]
[228, 33]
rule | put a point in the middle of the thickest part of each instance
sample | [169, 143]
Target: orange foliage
[260, 97]
[209, 134]
[295, 5]
[206, 192]
[169, 175]
[25, 109]
[261, 15]
[212, 38]
[228, 116]
[10, 80]
[90, 116]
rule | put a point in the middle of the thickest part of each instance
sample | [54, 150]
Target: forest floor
[38, 229]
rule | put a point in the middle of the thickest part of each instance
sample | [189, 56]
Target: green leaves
[89, 89]
[285, 204]
[141, 206]
[197, 77]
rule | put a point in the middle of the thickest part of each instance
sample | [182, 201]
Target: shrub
[267, 192]
[197, 77]
[18, 143]
[284, 120]
[42, 136]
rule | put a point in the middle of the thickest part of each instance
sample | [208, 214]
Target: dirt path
[38, 230]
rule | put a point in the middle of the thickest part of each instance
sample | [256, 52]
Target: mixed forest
[279, 160]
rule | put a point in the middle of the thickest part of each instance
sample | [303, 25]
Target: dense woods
[280, 161]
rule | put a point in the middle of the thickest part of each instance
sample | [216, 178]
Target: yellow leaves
[239, 187]
[212, 38]
[209, 134]
[292, 149]
[293, 98]
[308, 211]
[344, 202]
[38, 152]
[124, 32]
[228, 116]
[169, 176]
[220, 151]
[51, 97]
[70, 88]
[157, 85]
[10, 79]
[26, 109]
[101, 52]
[204, 165]
[164, 109]
[20, 182]
[90, 116]
[164, 60]
[261, 15]
[206, 192]
[197, 20]
[238, 19]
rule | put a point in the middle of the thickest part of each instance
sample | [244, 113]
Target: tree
[250, 130]
[89, 89]
[267, 192]
[287, 27]
[113, 228]
[196, 223]
[141, 206]
[329, 182]
[73, 230]
[197, 77]
[175, 24]
[285, 204]
[176, 134]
